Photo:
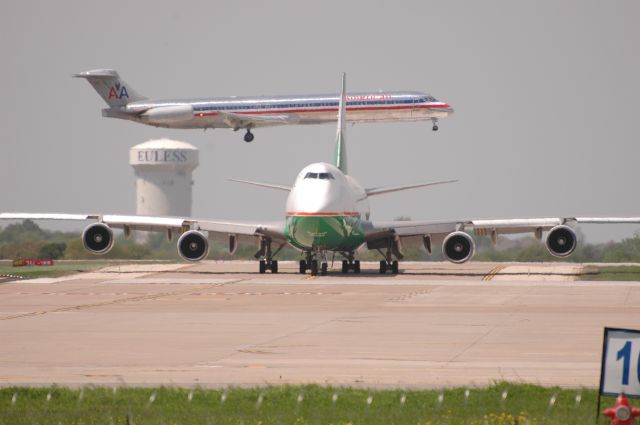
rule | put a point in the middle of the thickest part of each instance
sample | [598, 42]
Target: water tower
[163, 171]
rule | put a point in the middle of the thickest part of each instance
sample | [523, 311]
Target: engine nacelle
[193, 246]
[167, 114]
[561, 241]
[458, 247]
[98, 238]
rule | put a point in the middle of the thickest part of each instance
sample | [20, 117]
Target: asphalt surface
[219, 324]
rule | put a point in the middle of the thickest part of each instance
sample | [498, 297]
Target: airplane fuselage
[326, 210]
[282, 110]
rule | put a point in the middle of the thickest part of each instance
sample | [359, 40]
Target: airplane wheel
[274, 266]
[323, 269]
[383, 267]
[248, 136]
[356, 267]
[394, 267]
[345, 266]
[303, 267]
[314, 267]
[263, 266]
[434, 128]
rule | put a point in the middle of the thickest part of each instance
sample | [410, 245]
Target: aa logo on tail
[118, 91]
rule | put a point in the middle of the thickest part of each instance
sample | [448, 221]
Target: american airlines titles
[370, 97]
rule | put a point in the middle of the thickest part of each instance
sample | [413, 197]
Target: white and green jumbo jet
[328, 212]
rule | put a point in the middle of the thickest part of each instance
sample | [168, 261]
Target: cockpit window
[322, 176]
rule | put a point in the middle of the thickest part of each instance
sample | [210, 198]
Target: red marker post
[622, 413]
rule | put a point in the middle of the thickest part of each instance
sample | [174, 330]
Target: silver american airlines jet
[327, 211]
[251, 112]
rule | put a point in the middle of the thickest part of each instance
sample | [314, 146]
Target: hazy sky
[546, 96]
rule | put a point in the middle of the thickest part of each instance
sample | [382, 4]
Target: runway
[219, 324]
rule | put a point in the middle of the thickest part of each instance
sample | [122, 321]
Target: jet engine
[458, 247]
[167, 114]
[561, 241]
[97, 238]
[193, 246]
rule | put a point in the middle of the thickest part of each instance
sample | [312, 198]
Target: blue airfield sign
[620, 370]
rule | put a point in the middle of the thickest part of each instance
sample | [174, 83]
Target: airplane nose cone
[323, 199]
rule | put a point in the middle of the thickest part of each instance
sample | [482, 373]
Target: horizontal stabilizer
[267, 185]
[381, 190]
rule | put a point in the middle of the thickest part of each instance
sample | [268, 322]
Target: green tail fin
[340, 158]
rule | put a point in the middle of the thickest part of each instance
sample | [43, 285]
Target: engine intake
[97, 238]
[193, 246]
[561, 241]
[458, 247]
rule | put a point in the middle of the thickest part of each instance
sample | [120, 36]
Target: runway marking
[493, 272]
[408, 296]
[119, 301]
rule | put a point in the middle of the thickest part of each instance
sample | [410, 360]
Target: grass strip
[499, 404]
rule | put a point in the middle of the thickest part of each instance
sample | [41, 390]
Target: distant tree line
[28, 240]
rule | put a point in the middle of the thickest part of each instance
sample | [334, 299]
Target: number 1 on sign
[625, 355]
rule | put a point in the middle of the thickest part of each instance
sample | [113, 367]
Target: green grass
[524, 404]
[60, 268]
[616, 273]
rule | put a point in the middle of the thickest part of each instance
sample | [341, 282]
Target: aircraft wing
[436, 229]
[237, 121]
[274, 230]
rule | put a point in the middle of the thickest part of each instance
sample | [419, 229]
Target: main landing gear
[392, 266]
[271, 265]
[389, 264]
[267, 262]
[351, 265]
[248, 136]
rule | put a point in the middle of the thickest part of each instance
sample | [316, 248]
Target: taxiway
[219, 324]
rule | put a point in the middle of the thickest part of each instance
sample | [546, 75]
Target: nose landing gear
[435, 125]
[317, 263]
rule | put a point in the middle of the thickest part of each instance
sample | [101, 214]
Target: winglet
[341, 147]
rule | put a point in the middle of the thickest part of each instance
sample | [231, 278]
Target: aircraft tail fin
[110, 87]
[341, 144]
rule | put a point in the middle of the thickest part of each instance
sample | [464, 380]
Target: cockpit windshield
[321, 176]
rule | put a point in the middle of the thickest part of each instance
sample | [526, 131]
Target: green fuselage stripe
[324, 232]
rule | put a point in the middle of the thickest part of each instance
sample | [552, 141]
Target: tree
[52, 251]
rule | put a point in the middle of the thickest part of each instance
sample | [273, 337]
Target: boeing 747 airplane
[250, 112]
[328, 212]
